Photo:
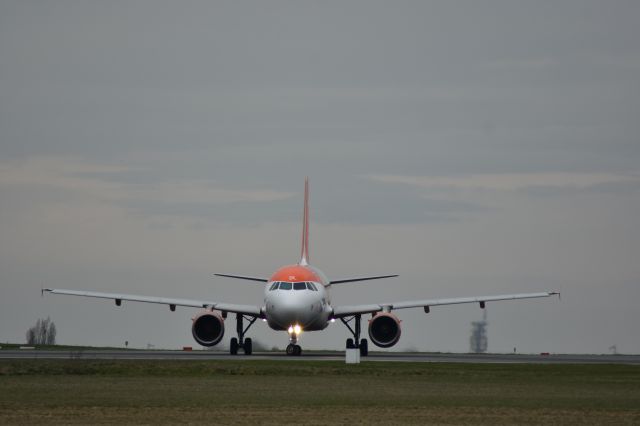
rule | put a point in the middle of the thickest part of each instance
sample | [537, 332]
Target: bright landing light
[294, 329]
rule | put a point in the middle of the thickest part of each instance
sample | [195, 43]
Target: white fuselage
[293, 302]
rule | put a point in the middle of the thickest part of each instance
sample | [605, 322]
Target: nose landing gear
[293, 349]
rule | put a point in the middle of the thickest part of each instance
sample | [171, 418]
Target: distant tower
[478, 339]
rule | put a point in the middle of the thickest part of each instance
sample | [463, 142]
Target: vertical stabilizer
[304, 255]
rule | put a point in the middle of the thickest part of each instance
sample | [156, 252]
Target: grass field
[307, 392]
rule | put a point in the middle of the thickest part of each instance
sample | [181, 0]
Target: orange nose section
[294, 273]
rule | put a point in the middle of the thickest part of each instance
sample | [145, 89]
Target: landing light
[294, 329]
[332, 320]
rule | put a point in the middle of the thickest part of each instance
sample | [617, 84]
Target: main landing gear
[241, 342]
[356, 343]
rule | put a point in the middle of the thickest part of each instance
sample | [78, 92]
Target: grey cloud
[351, 79]
[367, 208]
[624, 188]
[189, 123]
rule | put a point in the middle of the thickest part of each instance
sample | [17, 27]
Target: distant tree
[43, 333]
[51, 334]
[31, 336]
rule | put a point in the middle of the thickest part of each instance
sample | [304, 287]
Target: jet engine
[384, 330]
[208, 328]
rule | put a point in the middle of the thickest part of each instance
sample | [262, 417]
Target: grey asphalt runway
[318, 356]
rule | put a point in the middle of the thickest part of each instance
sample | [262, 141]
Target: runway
[132, 354]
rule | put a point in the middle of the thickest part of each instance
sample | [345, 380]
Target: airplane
[296, 300]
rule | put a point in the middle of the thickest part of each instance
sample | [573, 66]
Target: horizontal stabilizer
[351, 280]
[242, 277]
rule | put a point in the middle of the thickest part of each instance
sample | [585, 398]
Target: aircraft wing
[250, 310]
[344, 311]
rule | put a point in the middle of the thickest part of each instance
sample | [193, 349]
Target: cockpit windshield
[285, 286]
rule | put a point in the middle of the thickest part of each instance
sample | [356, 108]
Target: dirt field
[267, 392]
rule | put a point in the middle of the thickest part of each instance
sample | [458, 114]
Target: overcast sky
[474, 148]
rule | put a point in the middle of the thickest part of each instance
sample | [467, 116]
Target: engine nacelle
[384, 330]
[208, 328]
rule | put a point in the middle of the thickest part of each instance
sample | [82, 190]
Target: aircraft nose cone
[287, 312]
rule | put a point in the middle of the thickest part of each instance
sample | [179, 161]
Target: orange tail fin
[304, 255]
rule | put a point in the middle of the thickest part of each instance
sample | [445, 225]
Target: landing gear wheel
[364, 347]
[294, 350]
[356, 342]
[240, 342]
[248, 346]
[291, 349]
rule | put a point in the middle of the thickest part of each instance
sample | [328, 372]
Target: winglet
[304, 255]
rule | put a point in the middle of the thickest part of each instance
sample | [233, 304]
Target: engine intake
[384, 330]
[208, 328]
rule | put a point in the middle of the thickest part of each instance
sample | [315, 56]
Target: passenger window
[299, 286]
[285, 286]
[274, 286]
